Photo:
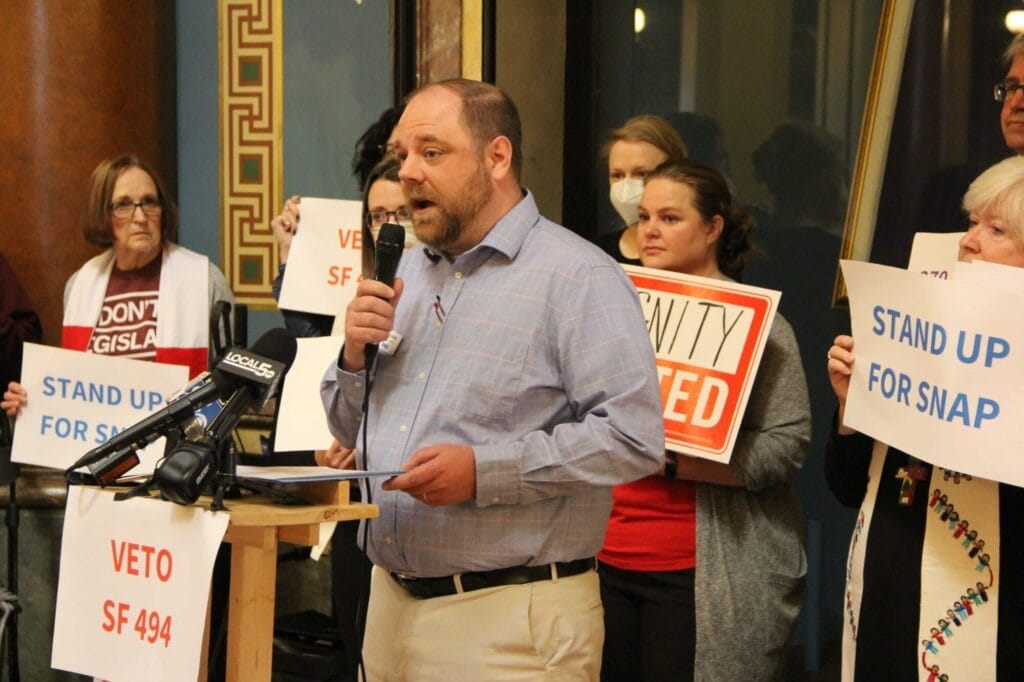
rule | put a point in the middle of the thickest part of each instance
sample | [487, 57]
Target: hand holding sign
[285, 225]
[840, 367]
[15, 398]
[79, 400]
[938, 367]
[708, 337]
[325, 257]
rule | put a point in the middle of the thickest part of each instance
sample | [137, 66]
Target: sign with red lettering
[325, 259]
[708, 337]
[133, 586]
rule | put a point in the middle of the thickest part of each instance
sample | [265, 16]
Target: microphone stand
[227, 483]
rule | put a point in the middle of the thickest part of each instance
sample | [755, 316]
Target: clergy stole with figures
[958, 618]
[959, 578]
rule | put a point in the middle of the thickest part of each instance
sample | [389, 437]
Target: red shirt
[653, 526]
[127, 322]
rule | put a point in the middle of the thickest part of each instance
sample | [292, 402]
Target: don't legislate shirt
[127, 321]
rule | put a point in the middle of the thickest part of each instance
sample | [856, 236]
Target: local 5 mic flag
[708, 337]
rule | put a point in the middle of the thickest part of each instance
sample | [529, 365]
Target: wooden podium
[256, 527]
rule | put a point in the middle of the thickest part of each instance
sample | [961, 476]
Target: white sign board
[992, 276]
[935, 253]
[325, 260]
[301, 421]
[938, 369]
[77, 401]
[133, 587]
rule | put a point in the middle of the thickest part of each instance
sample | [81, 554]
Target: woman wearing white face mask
[633, 151]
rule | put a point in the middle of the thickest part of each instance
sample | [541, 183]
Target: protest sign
[77, 401]
[992, 276]
[325, 259]
[708, 337]
[301, 420]
[934, 253]
[938, 369]
[133, 586]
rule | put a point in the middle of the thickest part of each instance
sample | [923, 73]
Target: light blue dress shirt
[532, 349]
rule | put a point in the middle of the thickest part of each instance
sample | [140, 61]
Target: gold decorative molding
[473, 39]
[873, 146]
[251, 165]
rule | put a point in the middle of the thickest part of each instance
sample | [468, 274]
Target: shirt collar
[507, 235]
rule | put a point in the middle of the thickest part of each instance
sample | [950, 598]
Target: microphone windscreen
[392, 234]
[225, 383]
[388, 251]
[276, 344]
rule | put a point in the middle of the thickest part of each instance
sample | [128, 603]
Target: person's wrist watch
[671, 465]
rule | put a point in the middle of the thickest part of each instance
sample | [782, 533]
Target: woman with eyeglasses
[138, 298]
[383, 202]
[933, 576]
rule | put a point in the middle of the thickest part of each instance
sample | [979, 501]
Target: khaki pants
[546, 630]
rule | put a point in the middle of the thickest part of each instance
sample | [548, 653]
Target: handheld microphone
[388, 251]
[257, 371]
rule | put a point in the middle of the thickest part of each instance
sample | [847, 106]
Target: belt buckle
[408, 582]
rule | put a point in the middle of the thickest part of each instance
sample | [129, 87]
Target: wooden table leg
[204, 656]
[251, 607]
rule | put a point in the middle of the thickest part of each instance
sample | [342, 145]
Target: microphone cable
[387, 254]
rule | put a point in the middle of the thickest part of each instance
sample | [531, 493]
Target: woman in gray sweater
[702, 569]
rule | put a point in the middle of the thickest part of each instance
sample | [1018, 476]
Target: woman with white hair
[934, 587]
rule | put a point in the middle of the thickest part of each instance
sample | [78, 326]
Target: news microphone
[185, 473]
[388, 251]
[261, 368]
[220, 331]
[258, 371]
[240, 325]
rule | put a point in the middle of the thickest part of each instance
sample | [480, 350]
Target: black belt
[426, 588]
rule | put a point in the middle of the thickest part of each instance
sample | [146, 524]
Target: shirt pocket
[484, 383]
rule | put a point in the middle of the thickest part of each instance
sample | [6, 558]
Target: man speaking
[518, 386]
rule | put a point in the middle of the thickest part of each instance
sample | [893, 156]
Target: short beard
[449, 229]
[456, 218]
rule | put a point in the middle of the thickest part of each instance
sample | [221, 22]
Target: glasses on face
[1004, 91]
[125, 208]
[378, 218]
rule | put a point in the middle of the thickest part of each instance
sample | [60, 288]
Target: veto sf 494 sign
[708, 337]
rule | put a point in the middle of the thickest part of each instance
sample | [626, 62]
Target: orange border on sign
[717, 441]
